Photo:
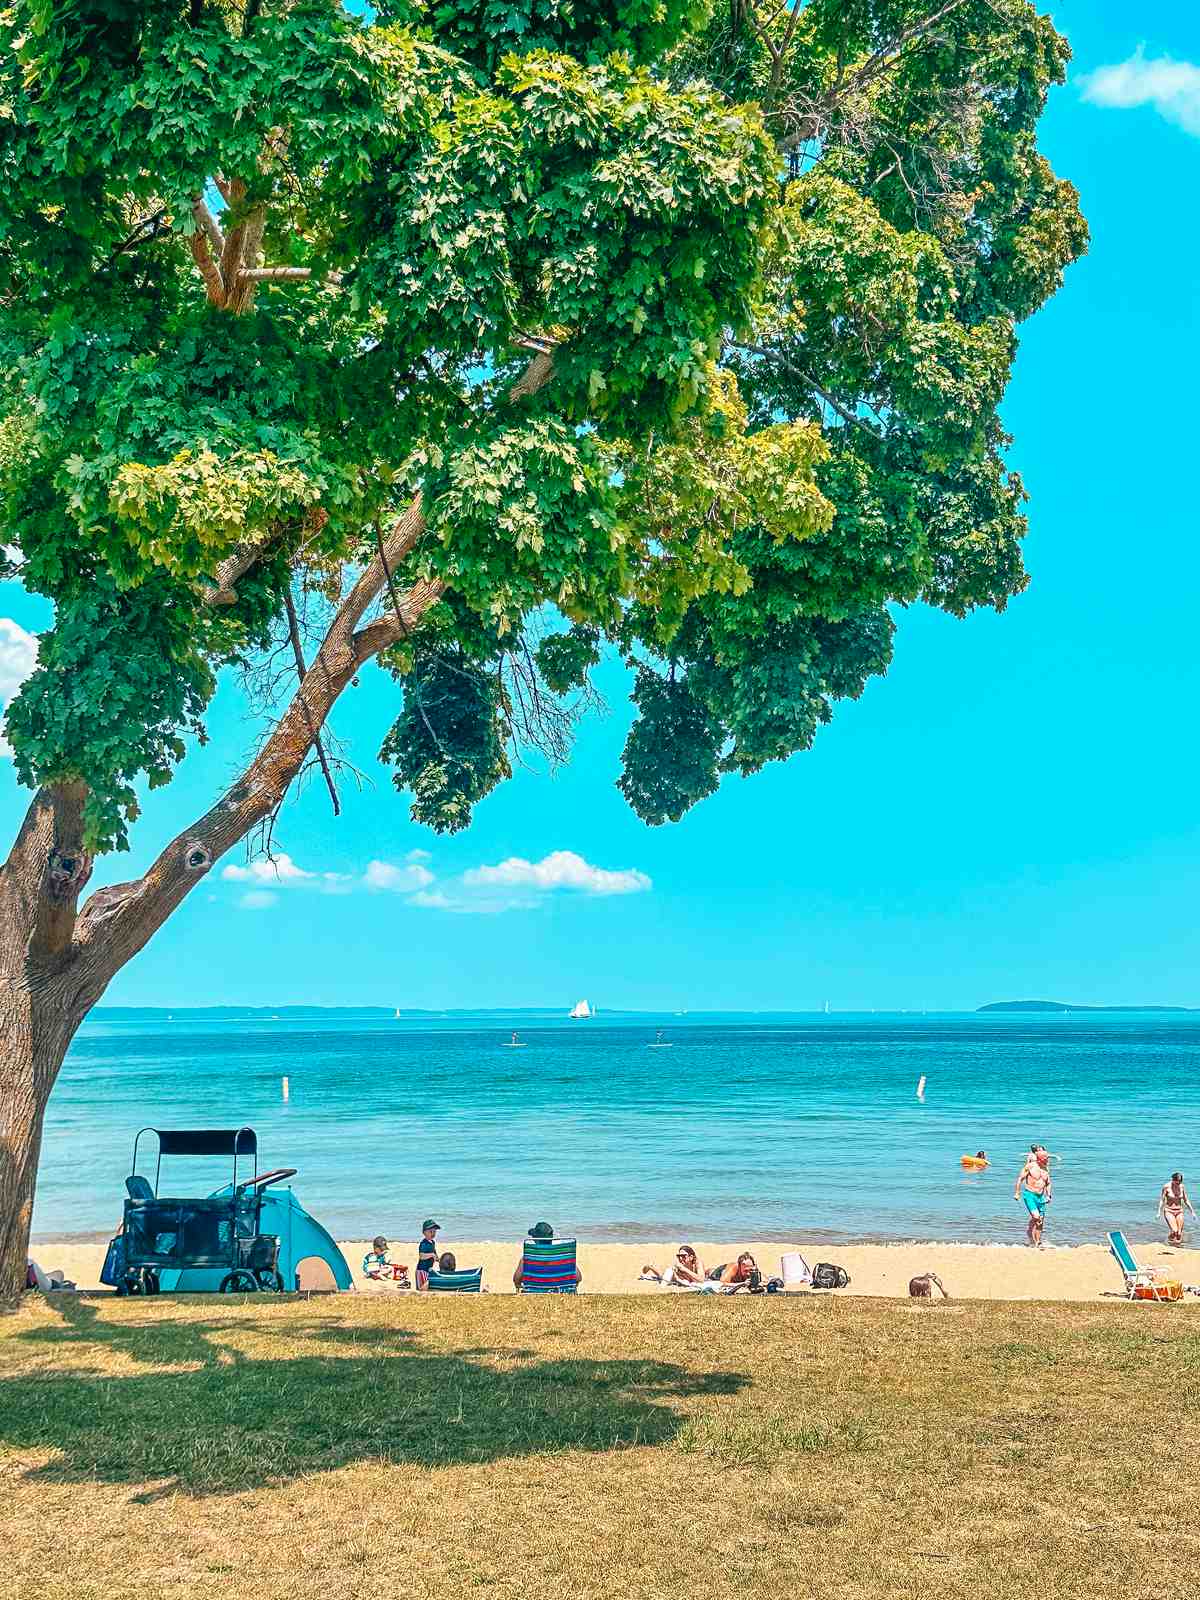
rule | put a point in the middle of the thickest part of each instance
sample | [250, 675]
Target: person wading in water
[1034, 1187]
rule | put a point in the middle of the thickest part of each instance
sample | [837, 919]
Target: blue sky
[1012, 812]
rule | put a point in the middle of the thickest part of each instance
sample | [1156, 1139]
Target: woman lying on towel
[685, 1270]
[740, 1274]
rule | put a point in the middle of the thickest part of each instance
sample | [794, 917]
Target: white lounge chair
[1135, 1277]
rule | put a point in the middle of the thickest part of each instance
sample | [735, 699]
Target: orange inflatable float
[975, 1163]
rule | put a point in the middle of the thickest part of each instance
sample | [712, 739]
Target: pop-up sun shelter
[308, 1256]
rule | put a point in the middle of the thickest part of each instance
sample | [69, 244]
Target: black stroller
[221, 1230]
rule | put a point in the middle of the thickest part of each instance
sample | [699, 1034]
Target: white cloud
[1171, 87]
[470, 902]
[281, 872]
[258, 900]
[561, 869]
[400, 880]
[511, 885]
[18, 657]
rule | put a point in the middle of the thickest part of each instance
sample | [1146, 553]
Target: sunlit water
[745, 1128]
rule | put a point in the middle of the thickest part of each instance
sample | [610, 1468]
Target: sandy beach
[969, 1271]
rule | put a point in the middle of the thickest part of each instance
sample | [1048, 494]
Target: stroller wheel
[150, 1283]
[239, 1281]
[131, 1283]
[270, 1280]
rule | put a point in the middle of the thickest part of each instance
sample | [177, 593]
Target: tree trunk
[35, 1030]
[42, 999]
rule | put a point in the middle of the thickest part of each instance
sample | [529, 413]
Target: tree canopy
[505, 332]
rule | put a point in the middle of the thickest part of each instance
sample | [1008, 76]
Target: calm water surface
[745, 1128]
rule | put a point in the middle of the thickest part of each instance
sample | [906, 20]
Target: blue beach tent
[308, 1257]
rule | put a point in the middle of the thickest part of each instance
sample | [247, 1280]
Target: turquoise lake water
[747, 1127]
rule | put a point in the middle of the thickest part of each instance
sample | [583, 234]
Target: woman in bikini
[1170, 1207]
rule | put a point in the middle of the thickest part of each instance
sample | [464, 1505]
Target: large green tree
[474, 340]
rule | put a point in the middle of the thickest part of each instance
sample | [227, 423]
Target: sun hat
[430, 1223]
[379, 1242]
[541, 1230]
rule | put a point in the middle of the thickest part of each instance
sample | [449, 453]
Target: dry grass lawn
[611, 1448]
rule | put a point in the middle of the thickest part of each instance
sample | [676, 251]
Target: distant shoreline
[296, 1013]
[1062, 1005]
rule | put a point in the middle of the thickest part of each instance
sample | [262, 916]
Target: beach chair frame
[1135, 1277]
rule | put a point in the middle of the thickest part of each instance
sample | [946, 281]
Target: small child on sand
[378, 1264]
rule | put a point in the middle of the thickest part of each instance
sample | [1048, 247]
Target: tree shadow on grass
[235, 1422]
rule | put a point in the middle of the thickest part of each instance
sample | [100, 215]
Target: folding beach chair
[548, 1266]
[456, 1282]
[1135, 1277]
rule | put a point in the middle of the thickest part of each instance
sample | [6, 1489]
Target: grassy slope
[617, 1448]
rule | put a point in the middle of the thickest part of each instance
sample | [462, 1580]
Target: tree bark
[42, 1001]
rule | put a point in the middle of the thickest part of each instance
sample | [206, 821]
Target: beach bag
[827, 1276]
[113, 1269]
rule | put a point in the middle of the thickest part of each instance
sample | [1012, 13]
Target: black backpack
[827, 1276]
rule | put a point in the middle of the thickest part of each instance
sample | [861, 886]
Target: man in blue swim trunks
[1034, 1187]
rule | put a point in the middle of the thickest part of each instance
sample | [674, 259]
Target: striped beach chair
[548, 1266]
[466, 1282]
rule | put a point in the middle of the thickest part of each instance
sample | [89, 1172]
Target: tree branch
[301, 669]
[222, 592]
[214, 284]
[279, 274]
[208, 224]
[883, 57]
[116, 922]
[798, 372]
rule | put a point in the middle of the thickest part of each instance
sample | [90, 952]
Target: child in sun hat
[378, 1264]
[427, 1251]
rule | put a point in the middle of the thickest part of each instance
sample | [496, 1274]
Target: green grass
[349, 1448]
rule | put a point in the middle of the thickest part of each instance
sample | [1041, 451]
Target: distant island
[1059, 1005]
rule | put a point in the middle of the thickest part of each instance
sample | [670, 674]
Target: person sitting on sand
[540, 1230]
[686, 1269]
[378, 1264]
[1170, 1207]
[1034, 1187]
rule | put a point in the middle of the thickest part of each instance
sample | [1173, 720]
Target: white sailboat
[579, 1010]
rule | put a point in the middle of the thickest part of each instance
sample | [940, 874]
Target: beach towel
[548, 1266]
[464, 1282]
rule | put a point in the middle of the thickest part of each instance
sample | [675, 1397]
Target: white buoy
[285, 1087]
[921, 1088]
